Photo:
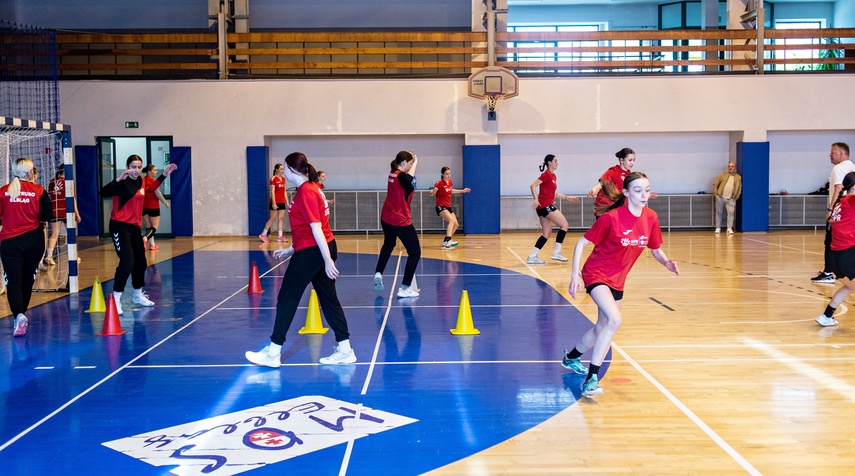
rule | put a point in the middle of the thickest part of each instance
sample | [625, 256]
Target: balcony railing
[446, 54]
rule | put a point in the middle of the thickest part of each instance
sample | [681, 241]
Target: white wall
[681, 127]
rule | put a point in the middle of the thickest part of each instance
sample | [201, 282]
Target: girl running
[544, 192]
[624, 230]
[443, 189]
[614, 175]
[396, 221]
[313, 255]
[151, 207]
[278, 204]
[842, 255]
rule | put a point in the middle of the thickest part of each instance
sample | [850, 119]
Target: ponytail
[613, 194]
[623, 153]
[22, 170]
[546, 161]
[300, 164]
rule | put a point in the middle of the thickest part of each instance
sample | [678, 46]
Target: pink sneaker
[264, 238]
[154, 247]
[281, 239]
[20, 325]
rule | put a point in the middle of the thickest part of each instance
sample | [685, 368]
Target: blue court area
[176, 395]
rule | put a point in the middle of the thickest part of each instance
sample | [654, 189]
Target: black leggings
[410, 240]
[127, 240]
[21, 256]
[307, 266]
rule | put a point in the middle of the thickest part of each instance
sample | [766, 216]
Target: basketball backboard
[493, 81]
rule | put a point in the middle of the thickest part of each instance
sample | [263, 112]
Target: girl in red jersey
[151, 207]
[24, 205]
[443, 189]
[128, 192]
[614, 175]
[544, 192]
[56, 192]
[396, 221]
[313, 255]
[842, 255]
[624, 230]
[322, 177]
[278, 204]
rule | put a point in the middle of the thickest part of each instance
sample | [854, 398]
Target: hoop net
[493, 101]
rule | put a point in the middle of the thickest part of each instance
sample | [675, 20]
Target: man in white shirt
[839, 156]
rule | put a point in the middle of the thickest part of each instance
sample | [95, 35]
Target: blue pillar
[258, 185]
[752, 163]
[482, 209]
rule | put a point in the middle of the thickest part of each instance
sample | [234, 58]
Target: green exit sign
[132, 125]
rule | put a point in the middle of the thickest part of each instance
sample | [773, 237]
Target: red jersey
[399, 194]
[843, 224]
[24, 213]
[309, 206]
[615, 175]
[56, 192]
[619, 238]
[150, 200]
[128, 197]
[546, 193]
[443, 193]
[278, 184]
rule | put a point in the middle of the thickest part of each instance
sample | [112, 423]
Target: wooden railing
[447, 54]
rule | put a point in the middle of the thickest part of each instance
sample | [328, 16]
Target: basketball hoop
[492, 84]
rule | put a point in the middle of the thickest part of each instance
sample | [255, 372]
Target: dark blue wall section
[482, 209]
[86, 184]
[752, 209]
[182, 192]
[258, 184]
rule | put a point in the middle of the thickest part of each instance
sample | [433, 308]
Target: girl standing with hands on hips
[443, 189]
[624, 230]
[313, 255]
[278, 204]
[396, 221]
[544, 192]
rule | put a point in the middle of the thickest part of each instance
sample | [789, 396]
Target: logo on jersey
[242, 441]
[640, 242]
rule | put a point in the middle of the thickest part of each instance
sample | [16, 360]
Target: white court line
[123, 367]
[703, 426]
[769, 243]
[810, 372]
[526, 264]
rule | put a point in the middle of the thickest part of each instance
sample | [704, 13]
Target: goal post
[49, 146]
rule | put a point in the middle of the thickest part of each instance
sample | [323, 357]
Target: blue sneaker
[591, 387]
[574, 364]
[378, 282]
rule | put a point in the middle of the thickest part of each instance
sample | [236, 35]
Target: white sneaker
[559, 257]
[142, 299]
[534, 260]
[730, 231]
[264, 358]
[338, 357]
[717, 230]
[449, 244]
[407, 292]
[826, 321]
[378, 282]
[119, 310]
[21, 323]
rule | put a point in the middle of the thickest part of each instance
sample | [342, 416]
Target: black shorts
[152, 212]
[440, 209]
[281, 206]
[543, 212]
[618, 295]
[843, 263]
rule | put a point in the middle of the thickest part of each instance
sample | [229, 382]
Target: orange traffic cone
[313, 317]
[464, 318]
[112, 326]
[96, 303]
[254, 282]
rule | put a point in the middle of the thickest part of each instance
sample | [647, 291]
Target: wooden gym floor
[721, 370]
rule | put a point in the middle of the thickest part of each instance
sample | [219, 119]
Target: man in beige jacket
[727, 188]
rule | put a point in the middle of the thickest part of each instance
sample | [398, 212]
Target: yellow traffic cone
[464, 318]
[313, 317]
[96, 303]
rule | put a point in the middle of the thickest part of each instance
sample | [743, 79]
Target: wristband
[829, 209]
